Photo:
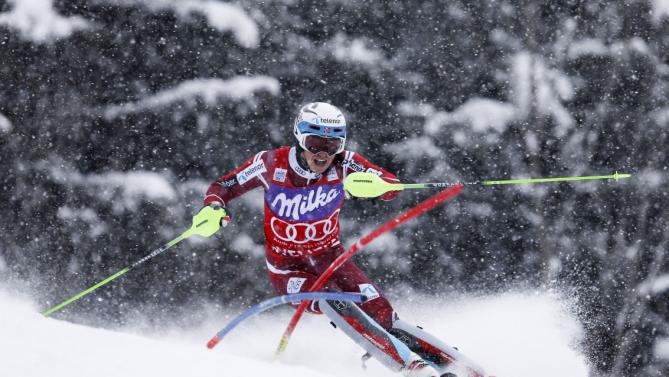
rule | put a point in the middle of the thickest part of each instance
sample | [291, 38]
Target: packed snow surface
[514, 335]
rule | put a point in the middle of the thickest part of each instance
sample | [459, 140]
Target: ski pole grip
[368, 185]
[208, 221]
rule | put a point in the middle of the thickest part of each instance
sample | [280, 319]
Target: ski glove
[225, 216]
[210, 218]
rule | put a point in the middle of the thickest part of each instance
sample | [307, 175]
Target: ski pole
[205, 223]
[370, 185]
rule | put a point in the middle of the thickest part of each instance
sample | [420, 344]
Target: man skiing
[304, 193]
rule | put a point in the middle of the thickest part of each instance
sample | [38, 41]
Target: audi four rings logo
[304, 232]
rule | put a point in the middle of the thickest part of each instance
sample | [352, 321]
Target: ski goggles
[329, 145]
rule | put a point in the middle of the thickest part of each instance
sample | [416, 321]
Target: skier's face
[318, 162]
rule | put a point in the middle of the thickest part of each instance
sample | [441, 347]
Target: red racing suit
[301, 221]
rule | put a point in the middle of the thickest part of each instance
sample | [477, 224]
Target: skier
[304, 193]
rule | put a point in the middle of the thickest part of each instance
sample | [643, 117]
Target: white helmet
[321, 119]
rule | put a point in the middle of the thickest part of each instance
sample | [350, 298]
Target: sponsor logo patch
[374, 342]
[295, 284]
[374, 171]
[369, 291]
[339, 306]
[280, 175]
[301, 233]
[308, 204]
[229, 183]
[332, 175]
[251, 172]
[330, 121]
[291, 253]
[353, 165]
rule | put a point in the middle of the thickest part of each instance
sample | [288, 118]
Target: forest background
[115, 115]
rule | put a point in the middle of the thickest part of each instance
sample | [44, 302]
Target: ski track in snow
[510, 335]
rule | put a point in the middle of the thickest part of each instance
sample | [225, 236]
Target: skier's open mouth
[320, 162]
[321, 159]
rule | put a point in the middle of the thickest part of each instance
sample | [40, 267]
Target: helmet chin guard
[321, 119]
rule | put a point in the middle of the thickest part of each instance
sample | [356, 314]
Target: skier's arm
[353, 162]
[246, 177]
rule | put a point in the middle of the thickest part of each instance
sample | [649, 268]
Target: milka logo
[302, 204]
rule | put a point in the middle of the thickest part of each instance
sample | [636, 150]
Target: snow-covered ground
[514, 335]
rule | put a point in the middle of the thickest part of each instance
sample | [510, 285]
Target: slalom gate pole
[414, 212]
[280, 300]
[205, 223]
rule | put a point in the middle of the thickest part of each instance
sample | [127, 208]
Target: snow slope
[515, 335]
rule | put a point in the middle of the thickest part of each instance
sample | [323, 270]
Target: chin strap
[301, 160]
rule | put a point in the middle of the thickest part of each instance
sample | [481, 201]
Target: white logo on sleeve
[251, 172]
[369, 291]
[295, 284]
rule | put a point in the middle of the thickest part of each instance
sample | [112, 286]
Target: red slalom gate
[414, 212]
